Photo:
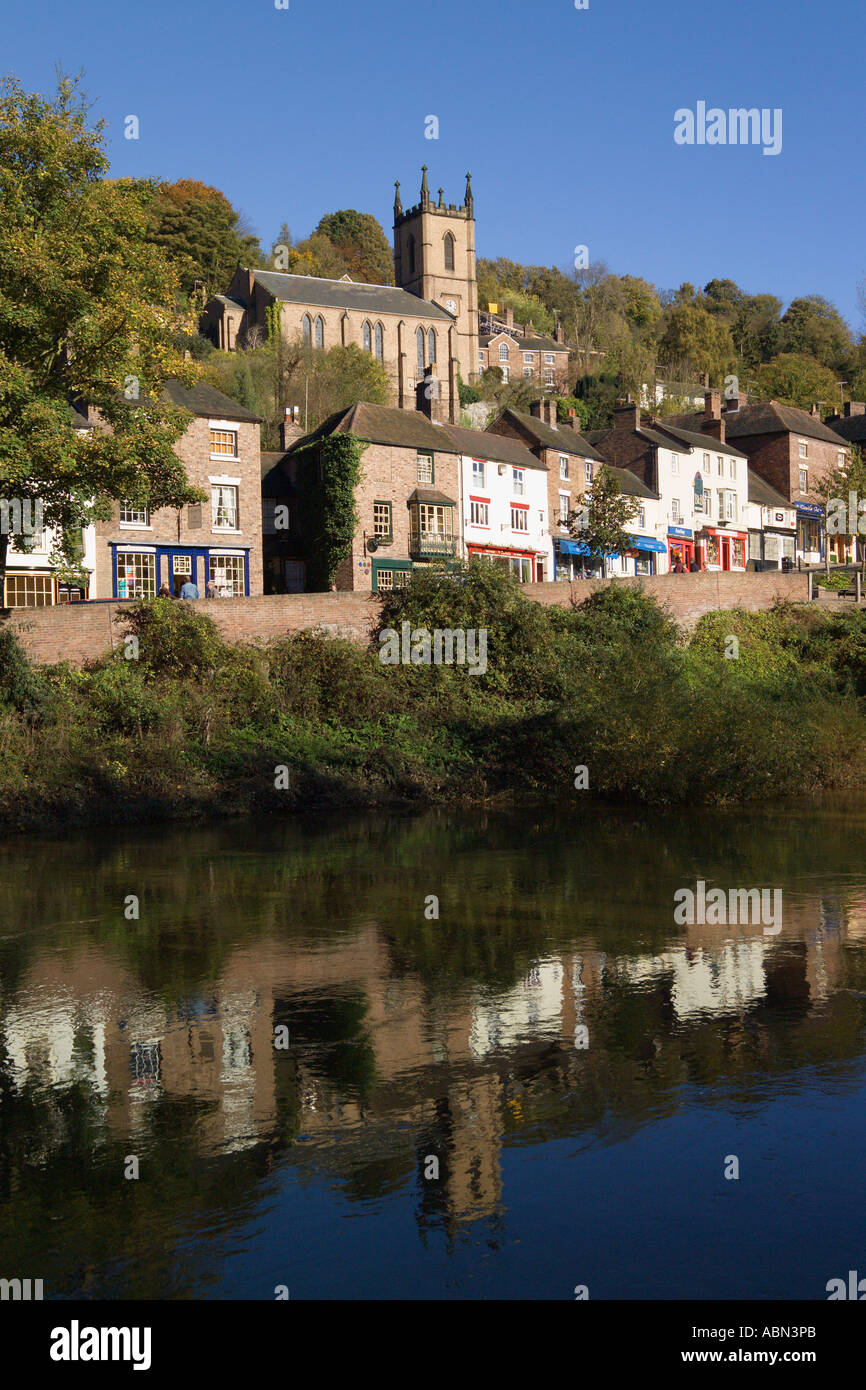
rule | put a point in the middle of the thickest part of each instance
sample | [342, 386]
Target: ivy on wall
[328, 472]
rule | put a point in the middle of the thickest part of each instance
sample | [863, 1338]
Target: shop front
[642, 556]
[810, 532]
[721, 549]
[140, 571]
[681, 546]
[527, 566]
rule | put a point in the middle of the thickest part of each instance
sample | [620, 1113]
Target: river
[452, 1056]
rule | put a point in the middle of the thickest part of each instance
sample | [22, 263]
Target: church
[423, 329]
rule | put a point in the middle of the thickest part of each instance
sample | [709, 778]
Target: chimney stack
[815, 412]
[712, 405]
[509, 316]
[430, 398]
[627, 417]
[290, 429]
[855, 408]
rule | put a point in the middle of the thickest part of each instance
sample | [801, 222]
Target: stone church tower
[434, 258]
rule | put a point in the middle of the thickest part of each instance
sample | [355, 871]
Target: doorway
[181, 571]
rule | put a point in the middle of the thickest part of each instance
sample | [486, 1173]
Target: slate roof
[346, 294]
[690, 439]
[564, 438]
[851, 427]
[429, 494]
[630, 482]
[498, 448]
[530, 344]
[383, 424]
[201, 399]
[768, 417]
[761, 492]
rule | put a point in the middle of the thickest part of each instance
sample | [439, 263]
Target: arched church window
[380, 342]
[419, 338]
[431, 347]
[368, 337]
[449, 251]
[320, 331]
[307, 329]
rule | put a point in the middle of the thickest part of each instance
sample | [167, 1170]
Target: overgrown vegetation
[194, 726]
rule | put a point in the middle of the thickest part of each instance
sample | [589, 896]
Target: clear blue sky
[564, 117]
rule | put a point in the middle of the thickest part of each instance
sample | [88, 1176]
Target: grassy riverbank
[191, 726]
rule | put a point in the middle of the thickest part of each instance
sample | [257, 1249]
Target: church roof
[347, 294]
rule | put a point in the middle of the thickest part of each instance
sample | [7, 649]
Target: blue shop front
[140, 571]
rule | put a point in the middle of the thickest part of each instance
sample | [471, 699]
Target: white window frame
[223, 483]
[224, 427]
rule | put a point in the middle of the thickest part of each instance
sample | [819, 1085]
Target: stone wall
[81, 632]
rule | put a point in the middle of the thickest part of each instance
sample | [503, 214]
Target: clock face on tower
[451, 306]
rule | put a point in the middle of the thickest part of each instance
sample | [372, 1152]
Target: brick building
[424, 326]
[408, 499]
[217, 543]
[521, 354]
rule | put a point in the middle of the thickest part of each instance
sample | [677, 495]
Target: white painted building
[503, 504]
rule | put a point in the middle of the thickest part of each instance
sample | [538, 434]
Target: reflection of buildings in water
[86, 1019]
[522, 1014]
[726, 978]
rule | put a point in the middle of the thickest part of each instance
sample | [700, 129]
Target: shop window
[226, 574]
[29, 591]
[136, 574]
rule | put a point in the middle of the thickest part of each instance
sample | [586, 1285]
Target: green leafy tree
[362, 244]
[86, 314]
[795, 379]
[757, 330]
[203, 235]
[813, 327]
[601, 515]
[695, 338]
[837, 488]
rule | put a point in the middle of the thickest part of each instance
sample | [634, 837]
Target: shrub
[174, 640]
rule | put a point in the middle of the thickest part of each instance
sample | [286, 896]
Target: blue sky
[565, 118]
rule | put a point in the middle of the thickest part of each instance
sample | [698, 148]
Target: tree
[757, 330]
[362, 244]
[203, 235]
[600, 517]
[695, 338]
[841, 509]
[813, 327]
[86, 314]
[794, 379]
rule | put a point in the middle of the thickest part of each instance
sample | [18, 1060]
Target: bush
[174, 640]
[22, 688]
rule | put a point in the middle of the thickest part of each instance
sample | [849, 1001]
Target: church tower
[434, 257]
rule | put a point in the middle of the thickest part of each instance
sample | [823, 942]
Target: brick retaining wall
[79, 632]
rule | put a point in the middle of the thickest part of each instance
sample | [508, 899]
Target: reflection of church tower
[434, 257]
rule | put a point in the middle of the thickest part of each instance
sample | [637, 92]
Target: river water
[251, 1058]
